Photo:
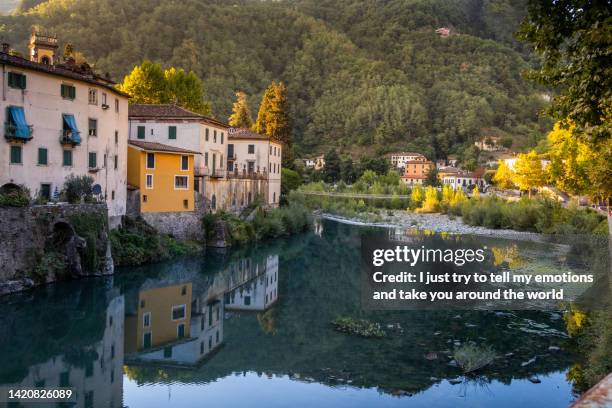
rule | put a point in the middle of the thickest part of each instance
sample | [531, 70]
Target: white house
[253, 155]
[464, 179]
[510, 162]
[259, 293]
[399, 159]
[178, 127]
[61, 119]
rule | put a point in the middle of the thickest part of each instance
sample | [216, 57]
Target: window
[141, 132]
[206, 159]
[68, 91]
[251, 149]
[183, 290]
[146, 340]
[149, 181]
[146, 319]
[178, 312]
[116, 161]
[42, 156]
[15, 154]
[67, 158]
[113, 195]
[168, 352]
[150, 160]
[93, 127]
[221, 137]
[214, 136]
[274, 197]
[180, 331]
[251, 167]
[184, 162]
[93, 96]
[116, 105]
[201, 347]
[181, 182]
[230, 151]
[116, 137]
[104, 99]
[247, 300]
[207, 132]
[172, 132]
[144, 198]
[186, 204]
[93, 160]
[16, 80]
[217, 336]
[45, 191]
[271, 150]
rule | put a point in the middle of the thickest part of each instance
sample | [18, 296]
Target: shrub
[18, 197]
[78, 188]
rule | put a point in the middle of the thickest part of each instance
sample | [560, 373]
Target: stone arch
[11, 188]
[61, 234]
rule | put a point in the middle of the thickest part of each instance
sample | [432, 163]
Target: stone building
[61, 118]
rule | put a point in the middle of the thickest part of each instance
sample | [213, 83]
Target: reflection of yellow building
[163, 316]
[163, 174]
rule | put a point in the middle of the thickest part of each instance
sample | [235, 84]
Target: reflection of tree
[267, 321]
[509, 255]
[591, 334]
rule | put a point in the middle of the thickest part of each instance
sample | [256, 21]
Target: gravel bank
[435, 222]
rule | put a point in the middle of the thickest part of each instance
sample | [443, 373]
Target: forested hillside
[360, 74]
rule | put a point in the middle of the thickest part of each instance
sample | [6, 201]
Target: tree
[573, 39]
[261, 124]
[416, 196]
[570, 161]
[332, 166]
[149, 83]
[506, 142]
[431, 203]
[503, 176]
[186, 90]
[528, 171]
[379, 164]
[241, 115]
[290, 180]
[347, 169]
[432, 177]
[273, 119]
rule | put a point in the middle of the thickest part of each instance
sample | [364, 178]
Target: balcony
[12, 134]
[217, 173]
[67, 137]
[250, 175]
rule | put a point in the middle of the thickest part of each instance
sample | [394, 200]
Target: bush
[18, 197]
[78, 188]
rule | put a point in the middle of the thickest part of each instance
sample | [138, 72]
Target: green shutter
[42, 156]
[23, 82]
[172, 132]
[63, 90]
[67, 158]
[92, 160]
[141, 132]
[16, 154]
[72, 92]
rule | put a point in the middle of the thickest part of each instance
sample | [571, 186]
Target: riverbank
[432, 222]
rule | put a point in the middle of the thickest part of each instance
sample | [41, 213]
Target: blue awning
[22, 129]
[71, 123]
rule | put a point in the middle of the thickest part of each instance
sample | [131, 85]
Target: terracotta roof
[169, 111]
[418, 162]
[244, 133]
[414, 176]
[405, 154]
[158, 147]
[71, 71]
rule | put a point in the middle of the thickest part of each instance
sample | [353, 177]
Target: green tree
[573, 39]
[332, 166]
[290, 180]
[149, 83]
[431, 178]
[528, 172]
[347, 169]
[241, 115]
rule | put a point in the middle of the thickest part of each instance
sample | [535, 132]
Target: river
[252, 328]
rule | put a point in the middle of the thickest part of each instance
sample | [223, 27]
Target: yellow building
[164, 176]
[162, 317]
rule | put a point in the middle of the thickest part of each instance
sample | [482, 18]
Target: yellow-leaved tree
[503, 176]
[529, 172]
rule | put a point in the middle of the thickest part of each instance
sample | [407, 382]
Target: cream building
[58, 120]
[400, 159]
[253, 155]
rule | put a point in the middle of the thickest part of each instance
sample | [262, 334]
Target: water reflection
[259, 320]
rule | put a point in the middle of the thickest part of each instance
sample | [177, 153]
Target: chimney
[6, 47]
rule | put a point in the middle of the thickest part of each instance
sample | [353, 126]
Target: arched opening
[45, 60]
[61, 235]
[249, 198]
[213, 202]
[11, 188]
[274, 197]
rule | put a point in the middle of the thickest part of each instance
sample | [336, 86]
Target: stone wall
[180, 225]
[234, 194]
[46, 243]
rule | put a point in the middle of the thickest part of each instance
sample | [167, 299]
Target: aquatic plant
[471, 357]
[359, 327]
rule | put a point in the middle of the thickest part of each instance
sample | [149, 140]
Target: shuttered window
[16, 80]
[93, 160]
[67, 158]
[172, 132]
[42, 156]
[68, 91]
[141, 132]
[15, 154]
